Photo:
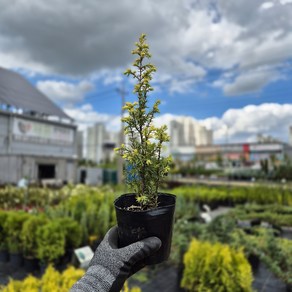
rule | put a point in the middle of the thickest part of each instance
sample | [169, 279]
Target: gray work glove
[111, 266]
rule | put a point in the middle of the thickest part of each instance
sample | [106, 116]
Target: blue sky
[225, 63]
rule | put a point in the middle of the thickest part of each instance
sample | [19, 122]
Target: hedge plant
[275, 252]
[262, 195]
[50, 242]
[72, 231]
[13, 226]
[29, 234]
[215, 267]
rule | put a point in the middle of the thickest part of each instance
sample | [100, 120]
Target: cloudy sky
[228, 64]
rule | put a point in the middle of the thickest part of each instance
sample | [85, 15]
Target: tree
[144, 151]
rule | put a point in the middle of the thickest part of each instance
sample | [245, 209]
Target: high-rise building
[100, 143]
[80, 144]
[185, 131]
[185, 135]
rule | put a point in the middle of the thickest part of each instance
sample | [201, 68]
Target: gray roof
[18, 92]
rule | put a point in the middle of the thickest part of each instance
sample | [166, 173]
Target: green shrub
[262, 195]
[215, 268]
[13, 226]
[50, 242]
[72, 231]
[276, 253]
[29, 234]
[273, 214]
[91, 207]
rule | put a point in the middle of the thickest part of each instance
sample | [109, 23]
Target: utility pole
[122, 93]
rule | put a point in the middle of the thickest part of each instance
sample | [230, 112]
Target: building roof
[18, 92]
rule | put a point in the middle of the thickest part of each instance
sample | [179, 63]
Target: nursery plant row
[18, 198]
[36, 236]
[85, 214]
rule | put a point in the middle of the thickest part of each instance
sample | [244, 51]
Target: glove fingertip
[154, 243]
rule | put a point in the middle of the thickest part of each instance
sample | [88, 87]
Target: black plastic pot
[4, 256]
[254, 262]
[137, 225]
[43, 267]
[31, 264]
[16, 260]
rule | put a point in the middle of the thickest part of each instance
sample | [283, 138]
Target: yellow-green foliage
[133, 289]
[52, 280]
[143, 152]
[91, 207]
[12, 197]
[236, 195]
[215, 267]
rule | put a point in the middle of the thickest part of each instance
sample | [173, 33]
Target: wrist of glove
[111, 266]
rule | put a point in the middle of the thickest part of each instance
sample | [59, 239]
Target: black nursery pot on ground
[137, 225]
[4, 256]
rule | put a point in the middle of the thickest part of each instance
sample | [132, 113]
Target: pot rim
[144, 211]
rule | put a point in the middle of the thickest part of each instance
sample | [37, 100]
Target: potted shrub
[215, 267]
[73, 237]
[50, 243]
[4, 256]
[146, 211]
[13, 226]
[29, 240]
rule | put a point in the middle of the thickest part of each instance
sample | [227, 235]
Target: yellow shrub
[13, 286]
[70, 277]
[133, 289]
[215, 267]
[52, 280]
[30, 284]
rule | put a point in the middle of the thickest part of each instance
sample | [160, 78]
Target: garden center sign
[33, 131]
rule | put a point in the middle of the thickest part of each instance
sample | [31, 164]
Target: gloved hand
[111, 266]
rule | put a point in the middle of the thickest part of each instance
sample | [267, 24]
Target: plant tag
[84, 256]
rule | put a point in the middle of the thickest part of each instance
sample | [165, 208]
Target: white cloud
[187, 38]
[239, 125]
[85, 116]
[267, 5]
[69, 93]
[249, 82]
[284, 2]
[235, 125]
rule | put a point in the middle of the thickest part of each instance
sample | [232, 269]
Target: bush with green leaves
[50, 242]
[275, 252]
[12, 227]
[215, 267]
[260, 194]
[90, 207]
[72, 231]
[143, 152]
[29, 234]
[273, 214]
[32, 197]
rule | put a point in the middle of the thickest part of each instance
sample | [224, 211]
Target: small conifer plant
[143, 152]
